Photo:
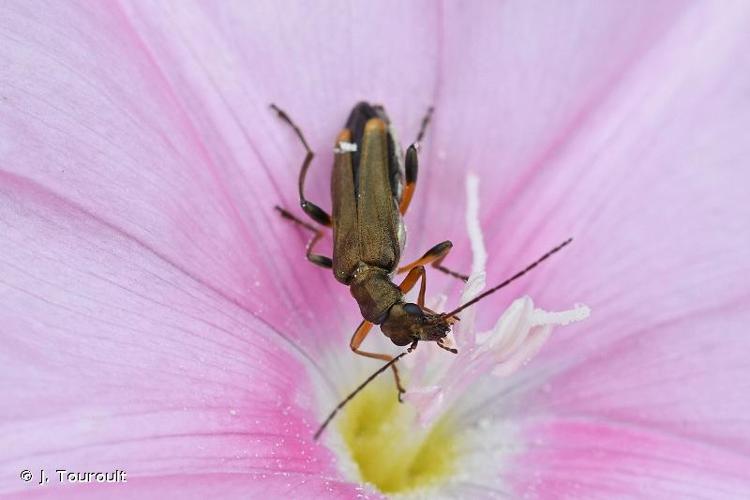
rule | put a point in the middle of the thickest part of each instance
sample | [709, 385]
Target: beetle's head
[407, 323]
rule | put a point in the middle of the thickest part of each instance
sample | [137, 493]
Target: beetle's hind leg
[311, 209]
[359, 336]
[320, 260]
[434, 256]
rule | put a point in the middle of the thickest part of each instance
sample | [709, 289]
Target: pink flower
[157, 317]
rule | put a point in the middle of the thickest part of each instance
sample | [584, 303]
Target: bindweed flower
[157, 317]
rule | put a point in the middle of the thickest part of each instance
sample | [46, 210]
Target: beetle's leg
[320, 260]
[314, 211]
[435, 256]
[359, 336]
[425, 122]
[411, 164]
[411, 280]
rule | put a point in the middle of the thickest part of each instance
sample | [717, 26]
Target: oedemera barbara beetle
[372, 185]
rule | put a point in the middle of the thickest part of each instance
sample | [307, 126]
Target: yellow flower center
[391, 449]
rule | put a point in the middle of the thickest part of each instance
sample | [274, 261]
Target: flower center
[391, 449]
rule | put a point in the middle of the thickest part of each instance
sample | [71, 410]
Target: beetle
[372, 185]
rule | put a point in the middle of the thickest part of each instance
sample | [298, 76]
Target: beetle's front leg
[359, 336]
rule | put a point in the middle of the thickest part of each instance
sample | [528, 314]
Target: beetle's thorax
[374, 291]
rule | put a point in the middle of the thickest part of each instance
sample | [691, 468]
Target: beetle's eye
[413, 309]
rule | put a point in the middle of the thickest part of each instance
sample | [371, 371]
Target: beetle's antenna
[356, 391]
[511, 279]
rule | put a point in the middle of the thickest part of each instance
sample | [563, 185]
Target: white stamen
[477, 279]
[541, 317]
[472, 225]
[517, 336]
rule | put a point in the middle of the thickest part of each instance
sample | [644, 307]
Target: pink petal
[518, 82]
[583, 458]
[90, 115]
[113, 357]
[649, 178]
[660, 203]
[655, 204]
[688, 377]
